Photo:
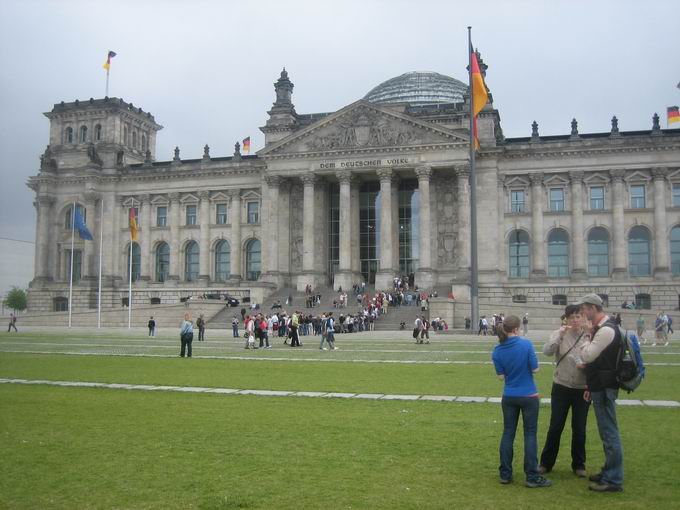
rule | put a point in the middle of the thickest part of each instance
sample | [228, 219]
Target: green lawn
[76, 448]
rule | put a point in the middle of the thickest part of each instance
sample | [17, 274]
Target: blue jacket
[516, 360]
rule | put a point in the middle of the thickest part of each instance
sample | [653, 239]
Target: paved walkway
[309, 394]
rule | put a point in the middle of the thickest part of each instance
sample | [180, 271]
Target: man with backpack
[601, 356]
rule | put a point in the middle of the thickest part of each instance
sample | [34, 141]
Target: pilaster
[236, 248]
[385, 274]
[578, 271]
[204, 237]
[537, 242]
[661, 248]
[620, 270]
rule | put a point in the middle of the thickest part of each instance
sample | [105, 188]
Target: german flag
[107, 64]
[133, 224]
[479, 94]
[673, 115]
[246, 145]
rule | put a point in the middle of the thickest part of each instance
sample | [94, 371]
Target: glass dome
[418, 88]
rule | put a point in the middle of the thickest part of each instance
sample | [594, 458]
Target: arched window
[518, 247]
[134, 139]
[639, 252]
[68, 219]
[598, 252]
[136, 261]
[98, 132]
[558, 254]
[162, 262]
[143, 143]
[191, 261]
[68, 135]
[222, 261]
[675, 250]
[253, 259]
[83, 134]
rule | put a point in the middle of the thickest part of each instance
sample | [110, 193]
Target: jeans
[186, 344]
[604, 404]
[234, 330]
[511, 409]
[561, 399]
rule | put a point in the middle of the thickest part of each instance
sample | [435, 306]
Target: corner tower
[282, 117]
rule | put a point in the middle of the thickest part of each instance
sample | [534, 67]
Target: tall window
[675, 250]
[68, 220]
[77, 265]
[518, 246]
[83, 134]
[558, 254]
[556, 199]
[598, 252]
[161, 216]
[639, 253]
[369, 229]
[253, 259]
[222, 261]
[136, 262]
[191, 261]
[676, 194]
[253, 212]
[98, 132]
[637, 196]
[162, 262]
[221, 218]
[517, 201]
[409, 226]
[596, 198]
[68, 136]
[191, 215]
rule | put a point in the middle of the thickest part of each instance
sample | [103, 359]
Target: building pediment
[363, 126]
[595, 178]
[219, 197]
[189, 198]
[555, 180]
[637, 176]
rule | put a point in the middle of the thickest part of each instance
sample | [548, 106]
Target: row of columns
[619, 242]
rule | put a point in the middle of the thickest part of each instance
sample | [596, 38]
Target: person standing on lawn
[186, 336]
[569, 383]
[234, 327]
[600, 355]
[152, 327]
[200, 324]
[12, 323]
[515, 362]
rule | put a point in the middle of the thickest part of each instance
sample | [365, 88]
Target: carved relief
[296, 228]
[447, 221]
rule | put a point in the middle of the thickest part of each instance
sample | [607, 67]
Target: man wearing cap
[600, 356]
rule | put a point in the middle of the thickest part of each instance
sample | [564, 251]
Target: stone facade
[541, 200]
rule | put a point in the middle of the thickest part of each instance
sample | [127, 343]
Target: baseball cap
[590, 299]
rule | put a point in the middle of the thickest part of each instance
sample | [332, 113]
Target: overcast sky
[205, 69]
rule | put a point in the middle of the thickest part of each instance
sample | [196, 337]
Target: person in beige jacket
[569, 385]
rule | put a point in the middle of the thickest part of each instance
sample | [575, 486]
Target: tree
[16, 299]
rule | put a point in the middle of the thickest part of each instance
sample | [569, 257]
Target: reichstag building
[377, 189]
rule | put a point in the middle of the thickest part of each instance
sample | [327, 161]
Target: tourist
[569, 383]
[234, 326]
[200, 324]
[425, 331]
[600, 355]
[152, 326]
[186, 336]
[659, 329]
[515, 361]
[640, 329]
[250, 332]
[12, 323]
[329, 327]
[263, 335]
[294, 325]
[525, 324]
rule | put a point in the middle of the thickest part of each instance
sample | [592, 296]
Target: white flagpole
[130, 273]
[70, 278]
[107, 82]
[101, 246]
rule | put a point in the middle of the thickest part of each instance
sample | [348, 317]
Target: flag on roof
[673, 113]
[107, 64]
[246, 145]
[479, 94]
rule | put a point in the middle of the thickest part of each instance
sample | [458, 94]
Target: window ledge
[638, 210]
[195, 226]
[160, 228]
[597, 211]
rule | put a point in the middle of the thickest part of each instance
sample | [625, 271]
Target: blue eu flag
[79, 225]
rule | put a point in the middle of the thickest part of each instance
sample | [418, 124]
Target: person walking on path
[525, 324]
[249, 325]
[152, 327]
[200, 324]
[640, 329]
[186, 336]
[600, 355]
[569, 383]
[294, 324]
[12, 323]
[234, 326]
[515, 362]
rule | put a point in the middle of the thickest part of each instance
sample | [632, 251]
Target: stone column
[309, 242]
[175, 219]
[661, 247]
[235, 270]
[618, 244]
[343, 277]
[578, 270]
[463, 195]
[424, 277]
[204, 238]
[537, 241]
[43, 205]
[272, 241]
[145, 237]
[385, 275]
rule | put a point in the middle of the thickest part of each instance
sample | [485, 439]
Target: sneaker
[505, 481]
[581, 473]
[666, 344]
[538, 483]
[605, 487]
[597, 477]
